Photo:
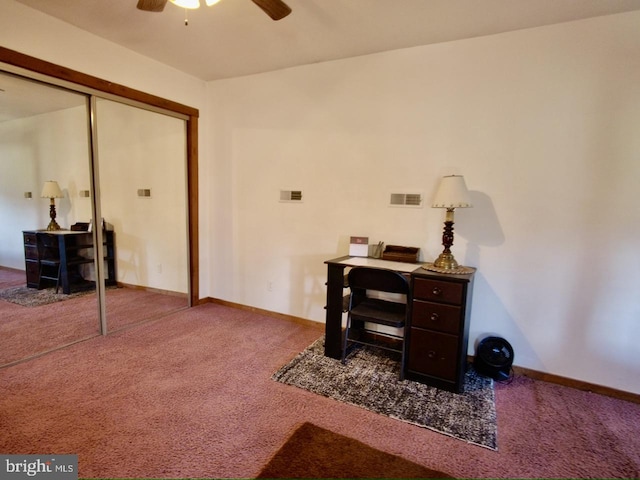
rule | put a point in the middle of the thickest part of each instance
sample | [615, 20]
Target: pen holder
[376, 250]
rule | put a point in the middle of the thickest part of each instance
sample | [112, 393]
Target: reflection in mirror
[43, 136]
[143, 200]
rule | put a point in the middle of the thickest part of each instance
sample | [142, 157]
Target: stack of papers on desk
[377, 263]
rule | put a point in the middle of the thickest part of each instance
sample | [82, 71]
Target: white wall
[543, 125]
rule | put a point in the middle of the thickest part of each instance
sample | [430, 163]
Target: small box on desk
[401, 254]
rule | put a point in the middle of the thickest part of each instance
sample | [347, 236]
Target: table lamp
[452, 193]
[52, 191]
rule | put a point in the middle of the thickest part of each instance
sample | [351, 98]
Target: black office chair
[365, 308]
[49, 258]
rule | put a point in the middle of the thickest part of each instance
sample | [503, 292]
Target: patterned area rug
[32, 297]
[370, 380]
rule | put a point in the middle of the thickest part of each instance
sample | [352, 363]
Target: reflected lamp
[51, 190]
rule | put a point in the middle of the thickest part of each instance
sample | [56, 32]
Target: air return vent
[291, 196]
[406, 200]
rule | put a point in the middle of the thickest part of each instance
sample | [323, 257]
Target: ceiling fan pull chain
[186, 17]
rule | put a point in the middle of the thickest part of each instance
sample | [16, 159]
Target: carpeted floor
[191, 396]
[370, 380]
[314, 452]
[41, 320]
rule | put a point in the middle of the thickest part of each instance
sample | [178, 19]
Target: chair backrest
[47, 247]
[379, 279]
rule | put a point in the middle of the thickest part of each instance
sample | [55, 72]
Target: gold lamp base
[53, 225]
[446, 261]
[459, 270]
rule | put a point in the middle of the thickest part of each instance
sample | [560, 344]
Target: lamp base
[459, 270]
[53, 225]
[446, 261]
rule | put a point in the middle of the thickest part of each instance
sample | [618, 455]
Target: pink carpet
[28, 331]
[190, 395]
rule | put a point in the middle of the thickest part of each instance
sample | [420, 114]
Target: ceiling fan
[276, 9]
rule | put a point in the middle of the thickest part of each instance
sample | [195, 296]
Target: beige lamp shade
[452, 193]
[51, 189]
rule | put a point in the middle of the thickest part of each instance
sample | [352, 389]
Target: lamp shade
[51, 190]
[452, 193]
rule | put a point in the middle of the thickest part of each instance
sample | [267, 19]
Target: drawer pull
[435, 317]
[431, 354]
[436, 291]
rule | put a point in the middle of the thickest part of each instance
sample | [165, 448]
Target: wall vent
[291, 195]
[406, 200]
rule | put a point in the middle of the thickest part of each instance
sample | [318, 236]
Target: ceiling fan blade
[276, 9]
[152, 5]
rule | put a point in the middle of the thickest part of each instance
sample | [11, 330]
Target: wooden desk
[65, 245]
[437, 333]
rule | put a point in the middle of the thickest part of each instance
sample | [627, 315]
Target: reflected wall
[143, 194]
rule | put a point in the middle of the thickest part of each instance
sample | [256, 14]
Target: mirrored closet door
[141, 163]
[116, 174]
[44, 171]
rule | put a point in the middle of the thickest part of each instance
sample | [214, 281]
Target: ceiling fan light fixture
[211, 2]
[192, 4]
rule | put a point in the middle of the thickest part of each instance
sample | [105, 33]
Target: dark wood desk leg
[333, 323]
[64, 268]
[110, 252]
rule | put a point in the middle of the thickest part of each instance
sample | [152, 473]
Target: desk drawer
[30, 252]
[438, 291]
[436, 316]
[433, 354]
[49, 240]
[29, 238]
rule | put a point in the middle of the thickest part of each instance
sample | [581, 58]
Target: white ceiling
[20, 98]
[235, 37]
